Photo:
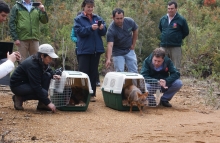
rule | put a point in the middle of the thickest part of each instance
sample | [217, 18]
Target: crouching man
[31, 79]
[159, 68]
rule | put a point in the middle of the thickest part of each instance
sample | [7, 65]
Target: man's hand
[56, 76]
[108, 54]
[15, 56]
[52, 107]
[18, 56]
[107, 63]
[17, 43]
[163, 83]
[132, 47]
[41, 7]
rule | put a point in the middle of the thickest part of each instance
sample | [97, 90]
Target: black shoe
[98, 84]
[165, 103]
[42, 107]
[18, 102]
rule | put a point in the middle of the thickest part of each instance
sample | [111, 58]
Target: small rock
[1, 119]
[33, 138]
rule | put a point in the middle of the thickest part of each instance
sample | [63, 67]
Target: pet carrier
[112, 88]
[71, 92]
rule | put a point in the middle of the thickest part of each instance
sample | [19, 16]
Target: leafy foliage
[209, 2]
[201, 54]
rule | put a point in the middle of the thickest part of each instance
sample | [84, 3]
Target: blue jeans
[169, 93]
[129, 59]
[27, 93]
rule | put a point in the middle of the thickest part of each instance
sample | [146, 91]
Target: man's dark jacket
[31, 71]
[172, 34]
[168, 72]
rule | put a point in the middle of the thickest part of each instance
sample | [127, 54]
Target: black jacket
[30, 71]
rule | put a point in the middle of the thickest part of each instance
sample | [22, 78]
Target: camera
[99, 22]
[35, 4]
[58, 71]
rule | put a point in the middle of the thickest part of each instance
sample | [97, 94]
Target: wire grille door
[154, 92]
[60, 91]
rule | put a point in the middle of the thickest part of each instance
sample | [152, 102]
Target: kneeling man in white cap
[31, 79]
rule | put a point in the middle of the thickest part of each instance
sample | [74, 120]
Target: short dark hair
[87, 2]
[117, 10]
[159, 52]
[37, 56]
[172, 2]
[4, 7]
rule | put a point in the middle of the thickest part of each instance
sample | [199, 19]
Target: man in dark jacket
[159, 68]
[173, 29]
[31, 79]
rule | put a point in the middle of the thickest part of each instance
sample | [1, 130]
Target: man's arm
[134, 39]
[185, 29]
[160, 26]
[145, 69]
[43, 14]
[12, 24]
[108, 54]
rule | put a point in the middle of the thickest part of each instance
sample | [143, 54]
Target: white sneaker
[92, 99]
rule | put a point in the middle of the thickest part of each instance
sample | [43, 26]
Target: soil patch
[189, 120]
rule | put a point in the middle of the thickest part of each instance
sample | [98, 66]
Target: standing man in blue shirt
[121, 37]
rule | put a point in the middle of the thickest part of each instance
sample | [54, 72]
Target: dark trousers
[27, 92]
[97, 78]
[89, 64]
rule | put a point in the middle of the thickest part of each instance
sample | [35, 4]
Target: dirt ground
[188, 121]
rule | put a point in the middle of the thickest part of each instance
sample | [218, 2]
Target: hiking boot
[42, 107]
[92, 99]
[18, 102]
[165, 103]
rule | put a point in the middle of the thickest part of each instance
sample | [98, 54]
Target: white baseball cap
[47, 49]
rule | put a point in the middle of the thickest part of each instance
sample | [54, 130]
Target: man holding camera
[121, 37]
[24, 26]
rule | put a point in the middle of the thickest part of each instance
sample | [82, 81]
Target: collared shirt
[159, 68]
[28, 6]
[88, 15]
[169, 20]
